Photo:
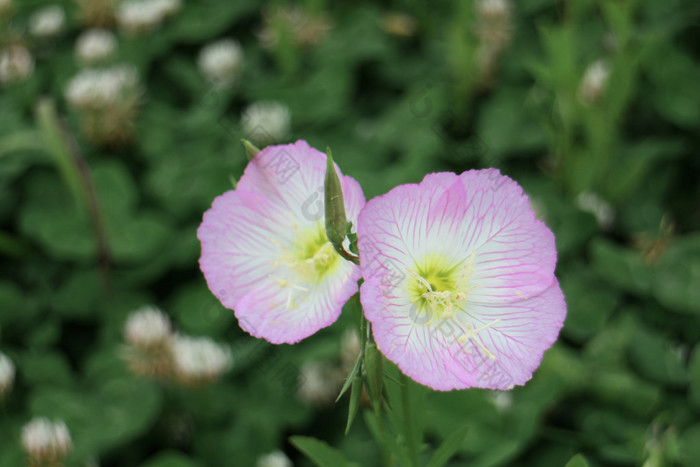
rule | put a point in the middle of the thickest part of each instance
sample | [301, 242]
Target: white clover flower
[602, 210]
[136, 16]
[266, 122]
[274, 459]
[99, 88]
[503, 400]
[7, 374]
[220, 62]
[168, 7]
[16, 64]
[5, 8]
[199, 359]
[147, 327]
[46, 441]
[95, 45]
[594, 82]
[320, 383]
[47, 22]
[493, 9]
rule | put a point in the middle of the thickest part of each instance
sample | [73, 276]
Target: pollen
[441, 285]
[308, 262]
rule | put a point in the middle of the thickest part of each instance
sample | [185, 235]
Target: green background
[621, 385]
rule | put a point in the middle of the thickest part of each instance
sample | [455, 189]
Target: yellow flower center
[309, 261]
[440, 286]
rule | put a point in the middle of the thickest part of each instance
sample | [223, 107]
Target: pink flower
[459, 280]
[265, 253]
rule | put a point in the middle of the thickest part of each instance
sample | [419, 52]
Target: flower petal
[514, 253]
[410, 221]
[242, 238]
[437, 355]
[255, 240]
[282, 314]
[293, 175]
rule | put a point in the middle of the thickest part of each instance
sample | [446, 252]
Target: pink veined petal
[517, 334]
[512, 288]
[396, 229]
[270, 312]
[241, 237]
[293, 175]
[404, 340]
[514, 253]
[248, 234]
[433, 355]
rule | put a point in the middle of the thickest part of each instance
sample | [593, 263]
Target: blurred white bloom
[98, 88]
[95, 45]
[7, 374]
[320, 383]
[107, 102]
[266, 122]
[199, 359]
[168, 7]
[16, 64]
[220, 62]
[147, 327]
[349, 350]
[594, 82]
[594, 204]
[492, 9]
[46, 441]
[399, 24]
[5, 8]
[494, 31]
[503, 400]
[274, 459]
[47, 22]
[136, 16]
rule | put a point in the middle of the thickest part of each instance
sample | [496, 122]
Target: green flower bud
[250, 149]
[335, 207]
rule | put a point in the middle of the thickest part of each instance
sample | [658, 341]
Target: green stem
[376, 399]
[408, 421]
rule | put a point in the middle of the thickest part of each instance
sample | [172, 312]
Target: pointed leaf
[577, 461]
[448, 448]
[320, 452]
[351, 377]
[355, 396]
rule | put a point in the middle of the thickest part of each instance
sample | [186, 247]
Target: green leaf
[654, 357]
[355, 396]
[690, 445]
[386, 440]
[320, 452]
[351, 377]
[677, 275]
[170, 459]
[622, 267]
[577, 461]
[373, 364]
[448, 448]
[694, 370]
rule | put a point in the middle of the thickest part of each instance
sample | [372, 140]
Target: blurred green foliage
[395, 97]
